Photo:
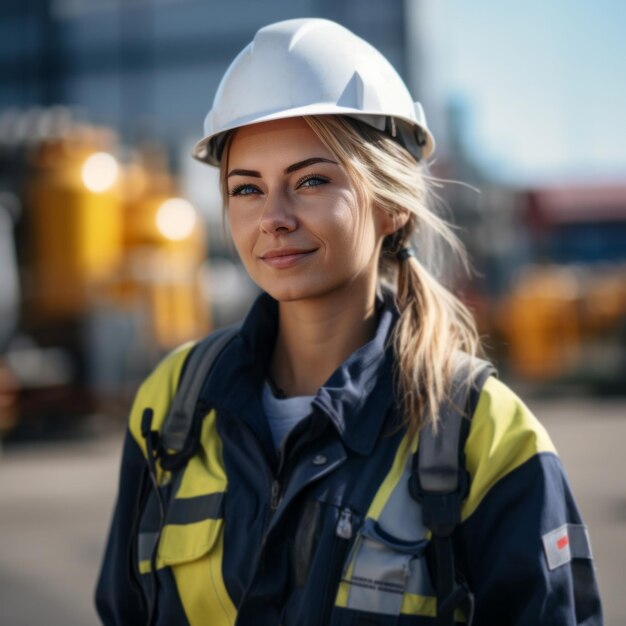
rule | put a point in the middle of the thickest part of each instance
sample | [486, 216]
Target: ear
[390, 223]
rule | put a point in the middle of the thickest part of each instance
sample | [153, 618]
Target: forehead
[284, 141]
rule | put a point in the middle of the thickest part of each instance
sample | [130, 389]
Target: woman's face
[295, 217]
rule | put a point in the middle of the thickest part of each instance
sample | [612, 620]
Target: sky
[542, 84]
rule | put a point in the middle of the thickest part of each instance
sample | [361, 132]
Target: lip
[281, 258]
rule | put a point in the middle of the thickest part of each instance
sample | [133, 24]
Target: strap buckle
[441, 512]
[461, 598]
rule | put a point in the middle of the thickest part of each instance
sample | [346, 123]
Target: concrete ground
[56, 501]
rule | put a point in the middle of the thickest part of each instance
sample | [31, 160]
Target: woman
[294, 504]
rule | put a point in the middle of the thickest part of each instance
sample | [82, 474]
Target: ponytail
[434, 325]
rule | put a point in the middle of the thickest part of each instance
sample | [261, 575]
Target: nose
[278, 215]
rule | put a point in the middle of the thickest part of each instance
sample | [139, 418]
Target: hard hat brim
[208, 149]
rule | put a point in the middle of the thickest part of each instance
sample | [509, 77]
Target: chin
[293, 293]
[288, 295]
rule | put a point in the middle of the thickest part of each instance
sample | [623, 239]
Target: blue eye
[243, 190]
[312, 180]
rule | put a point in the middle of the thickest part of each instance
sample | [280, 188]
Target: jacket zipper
[275, 486]
[344, 525]
[275, 497]
[344, 531]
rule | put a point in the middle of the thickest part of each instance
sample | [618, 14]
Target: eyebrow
[288, 170]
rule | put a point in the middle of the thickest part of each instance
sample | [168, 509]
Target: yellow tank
[164, 247]
[103, 234]
[541, 324]
[76, 229]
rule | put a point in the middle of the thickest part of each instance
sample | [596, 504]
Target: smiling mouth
[282, 259]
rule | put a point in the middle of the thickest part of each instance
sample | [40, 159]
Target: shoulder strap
[440, 482]
[440, 449]
[176, 440]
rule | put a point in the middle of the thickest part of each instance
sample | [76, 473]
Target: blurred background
[112, 250]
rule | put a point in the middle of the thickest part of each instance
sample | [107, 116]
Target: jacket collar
[359, 394]
[356, 398]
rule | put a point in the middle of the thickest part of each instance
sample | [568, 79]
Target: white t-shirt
[284, 413]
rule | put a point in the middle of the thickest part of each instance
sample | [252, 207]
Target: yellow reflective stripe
[203, 475]
[391, 480]
[413, 604]
[204, 598]
[405, 449]
[157, 392]
[192, 510]
[504, 434]
[343, 593]
[205, 472]
[193, 551]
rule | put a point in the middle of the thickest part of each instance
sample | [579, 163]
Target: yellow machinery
[75, 223]
[109, 263]
[104, 234]
[164, 247]
[565, 318]
[541, 324]
[564, 322]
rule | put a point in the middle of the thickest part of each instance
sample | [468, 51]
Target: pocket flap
[192, 528]
[380, 569]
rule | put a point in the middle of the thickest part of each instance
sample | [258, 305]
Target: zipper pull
[275, 496]
[344, 525]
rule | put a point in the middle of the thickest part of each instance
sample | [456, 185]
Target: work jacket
[325, 532]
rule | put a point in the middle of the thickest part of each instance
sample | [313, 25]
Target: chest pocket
[190, 543]
[386, 573]
[193, 526]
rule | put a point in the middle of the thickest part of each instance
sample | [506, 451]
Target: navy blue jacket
[325, 532]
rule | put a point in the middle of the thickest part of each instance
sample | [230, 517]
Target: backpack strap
[178, 443]
[440, 482]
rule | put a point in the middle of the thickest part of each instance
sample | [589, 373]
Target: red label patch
[565, 543]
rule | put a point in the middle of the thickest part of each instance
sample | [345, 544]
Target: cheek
[240, 235]
[355, 231]
[345, 218]
[238, 226]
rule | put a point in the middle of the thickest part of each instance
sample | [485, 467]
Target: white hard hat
[312, 67]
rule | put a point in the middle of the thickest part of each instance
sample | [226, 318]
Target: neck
[316, 336]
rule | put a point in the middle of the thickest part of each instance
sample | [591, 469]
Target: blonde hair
[434, 325]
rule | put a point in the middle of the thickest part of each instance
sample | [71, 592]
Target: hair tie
[405, 253]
